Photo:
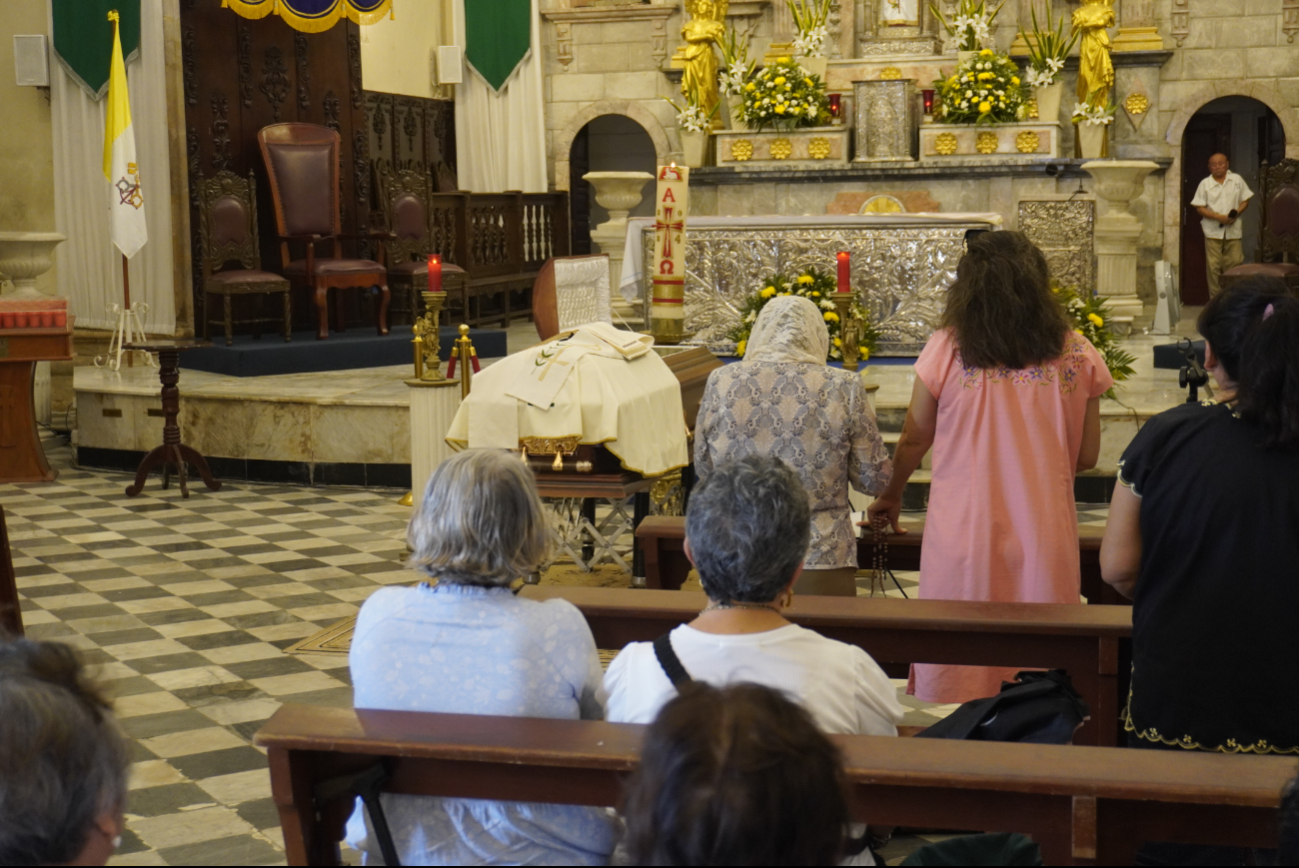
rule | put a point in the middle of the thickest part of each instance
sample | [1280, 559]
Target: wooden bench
[1088, 642]
[1082, 805]
[11, 613]
[662, 537]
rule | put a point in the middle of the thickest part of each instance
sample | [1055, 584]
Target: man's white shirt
[1222, 198]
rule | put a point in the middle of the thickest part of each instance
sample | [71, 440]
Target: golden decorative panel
[890, 73]
[882, 205]
[781, 149]
[818, 148]
[1032, 107]
[741, 150]
[986, 143]
[1027, 142]
[945, 143]
[1137, 104]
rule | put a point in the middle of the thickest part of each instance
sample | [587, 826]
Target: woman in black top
[1203, 535]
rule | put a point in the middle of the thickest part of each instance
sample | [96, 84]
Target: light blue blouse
[468, 650]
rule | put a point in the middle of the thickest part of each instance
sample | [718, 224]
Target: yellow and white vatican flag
[126, 201]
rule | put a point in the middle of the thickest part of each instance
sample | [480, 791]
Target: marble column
[1118, 182]
[433, 405]
[619, 193]
[1137, 30]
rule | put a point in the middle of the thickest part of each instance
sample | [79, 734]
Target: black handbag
[1036, 708]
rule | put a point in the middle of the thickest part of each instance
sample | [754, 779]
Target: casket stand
[574, 478]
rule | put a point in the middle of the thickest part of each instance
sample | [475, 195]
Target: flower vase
[963, 56]
[1091, 139]
[1048, 102]
[735, 110]
[814, 65]
[694, 147]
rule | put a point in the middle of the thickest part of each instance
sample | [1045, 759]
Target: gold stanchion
[465, 355]
[849, 330]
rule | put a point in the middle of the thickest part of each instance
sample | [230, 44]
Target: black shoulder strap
[670, 662]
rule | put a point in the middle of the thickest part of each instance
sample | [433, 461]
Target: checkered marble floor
[185, 607]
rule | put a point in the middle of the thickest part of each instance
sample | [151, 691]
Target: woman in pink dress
[1008, 396]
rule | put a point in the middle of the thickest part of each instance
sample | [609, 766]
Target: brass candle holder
[849, 330]
[427, 342]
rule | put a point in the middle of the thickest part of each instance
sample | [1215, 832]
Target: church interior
[354, 250]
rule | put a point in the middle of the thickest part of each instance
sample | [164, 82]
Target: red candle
[434, 273]
[845, 268]
[928, 96]
[835, 104]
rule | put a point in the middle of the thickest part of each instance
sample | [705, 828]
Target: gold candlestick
[431, 345]
[849, 330]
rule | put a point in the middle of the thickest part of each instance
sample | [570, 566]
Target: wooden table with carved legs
[172, 451]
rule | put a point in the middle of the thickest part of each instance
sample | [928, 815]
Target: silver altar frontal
[902, 265]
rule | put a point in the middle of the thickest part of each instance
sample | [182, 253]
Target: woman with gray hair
[783, 400]
[63, 763]
[747, 532]
[463, 643]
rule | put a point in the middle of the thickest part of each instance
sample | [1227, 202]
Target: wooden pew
[11, 614]
[1085, 641]
[661, 537]
[1082, 805]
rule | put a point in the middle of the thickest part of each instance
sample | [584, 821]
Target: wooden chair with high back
[406, 194]
[302, 162]
[1278, 231]
[228, 233]
[570, 291]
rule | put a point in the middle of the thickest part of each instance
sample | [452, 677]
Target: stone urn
[619, 193]
[1048, 101]
[25, 256]
[1117, 232]
[1091, 139]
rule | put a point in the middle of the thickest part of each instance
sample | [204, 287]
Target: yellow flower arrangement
[984, 89]
[785, 96]
[816, 286]
[1095, 320]
[784, 59]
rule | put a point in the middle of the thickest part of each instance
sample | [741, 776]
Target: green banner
[498, 34]
[83, 38]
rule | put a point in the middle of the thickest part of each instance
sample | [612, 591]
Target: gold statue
[1095, 71]
[705, 28]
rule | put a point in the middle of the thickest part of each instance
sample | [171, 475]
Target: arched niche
[629, 108]
[1173, 205]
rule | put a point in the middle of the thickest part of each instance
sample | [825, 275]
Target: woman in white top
[747, 532]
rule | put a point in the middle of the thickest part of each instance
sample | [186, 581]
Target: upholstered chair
[570, 291]
[228, 235]
[302, 162]
[406, 194]
[1278, 234]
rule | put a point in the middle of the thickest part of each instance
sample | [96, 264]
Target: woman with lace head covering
[783, 401]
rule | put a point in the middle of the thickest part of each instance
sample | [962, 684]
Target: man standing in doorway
[1220, 200]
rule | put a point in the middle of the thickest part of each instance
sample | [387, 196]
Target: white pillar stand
[1117, 231]
[619, 192]
[433, 405]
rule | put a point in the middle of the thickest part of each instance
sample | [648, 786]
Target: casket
[565, 468]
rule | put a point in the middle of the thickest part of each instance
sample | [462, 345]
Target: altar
[902, 265]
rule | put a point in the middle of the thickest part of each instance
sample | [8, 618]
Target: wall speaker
[450, 64]
[31, 61]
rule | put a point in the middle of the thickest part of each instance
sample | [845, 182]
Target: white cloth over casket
[596, 383]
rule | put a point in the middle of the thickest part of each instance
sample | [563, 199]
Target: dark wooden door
[1206, 135]
[579, 192]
